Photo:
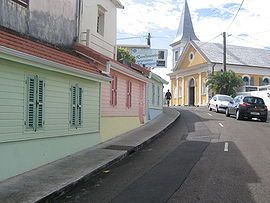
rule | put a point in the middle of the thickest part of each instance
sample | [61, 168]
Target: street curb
[48, 198]
[69, 186]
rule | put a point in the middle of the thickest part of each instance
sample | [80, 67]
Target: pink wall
[121, 109]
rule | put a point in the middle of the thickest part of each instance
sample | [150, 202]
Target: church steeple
[184, 34]
[185, 30]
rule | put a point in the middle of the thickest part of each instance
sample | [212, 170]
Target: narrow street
[204, 157]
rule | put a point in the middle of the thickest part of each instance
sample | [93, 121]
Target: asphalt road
[204, 157]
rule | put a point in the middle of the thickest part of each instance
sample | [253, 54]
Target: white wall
[103, 44]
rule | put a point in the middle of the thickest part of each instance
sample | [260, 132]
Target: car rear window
[253, 100]
[225, 98]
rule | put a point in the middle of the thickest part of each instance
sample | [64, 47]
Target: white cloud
[140, 17]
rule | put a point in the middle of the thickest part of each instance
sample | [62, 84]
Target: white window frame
[35, 88]
[101, 20]
[176, 55]
[76, 100]
[247, 76]
[266, 77]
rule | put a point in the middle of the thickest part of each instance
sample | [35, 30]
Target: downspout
[78, 20]
[213, 68]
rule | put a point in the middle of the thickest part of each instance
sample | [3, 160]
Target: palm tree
[224, 82]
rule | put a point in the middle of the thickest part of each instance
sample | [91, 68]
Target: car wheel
[209, 108]
[238, 116]
[227, 113]
[264, 119]
[217, 111]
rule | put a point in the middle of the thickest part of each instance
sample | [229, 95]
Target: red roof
[91, 53]
[43, 51]
[140, 68]
[104, 59]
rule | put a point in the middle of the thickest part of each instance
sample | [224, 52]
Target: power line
[249, 41]
[210, 40]
[256, 33]
[125, 38]
[235, 15]
[144, 36]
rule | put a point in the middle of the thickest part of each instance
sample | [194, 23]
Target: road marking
[209, 114]
[226, 147]
[221, 125]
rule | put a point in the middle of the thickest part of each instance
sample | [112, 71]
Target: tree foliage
[124, 56]
[224, 82]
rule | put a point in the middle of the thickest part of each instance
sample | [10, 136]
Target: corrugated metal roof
[236, 55]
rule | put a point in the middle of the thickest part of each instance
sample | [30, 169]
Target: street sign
[154, 58]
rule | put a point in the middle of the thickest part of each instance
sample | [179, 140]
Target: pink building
[123, 102]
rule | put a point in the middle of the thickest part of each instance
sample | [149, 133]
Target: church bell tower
[184, 34]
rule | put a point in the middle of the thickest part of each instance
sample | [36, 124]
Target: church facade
[194, 60]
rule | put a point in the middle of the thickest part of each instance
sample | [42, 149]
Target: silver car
[219, 102]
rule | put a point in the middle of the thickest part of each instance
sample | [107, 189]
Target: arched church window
[176, 55]
[192, 83]
[246, 80]
[266, 81]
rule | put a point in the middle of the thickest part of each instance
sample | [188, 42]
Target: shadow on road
[218, 176]
[174, 169]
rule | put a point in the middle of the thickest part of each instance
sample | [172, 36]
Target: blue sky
[209, 17]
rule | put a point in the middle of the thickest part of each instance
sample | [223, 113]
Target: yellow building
[198, 59]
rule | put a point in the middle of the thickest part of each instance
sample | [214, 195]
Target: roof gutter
[52, 65]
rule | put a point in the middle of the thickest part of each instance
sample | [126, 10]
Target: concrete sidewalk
[59, 176]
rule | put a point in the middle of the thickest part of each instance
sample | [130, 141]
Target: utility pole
[149, 39]
[224, 51]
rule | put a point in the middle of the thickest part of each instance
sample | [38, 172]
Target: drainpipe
[78, 19]
[213, 68]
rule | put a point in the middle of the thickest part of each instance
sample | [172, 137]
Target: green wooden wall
[22, 149]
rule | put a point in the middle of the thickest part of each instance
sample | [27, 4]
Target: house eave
[124, 70]
[53, 66]
[118, 4]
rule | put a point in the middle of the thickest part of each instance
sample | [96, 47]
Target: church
[194, 60]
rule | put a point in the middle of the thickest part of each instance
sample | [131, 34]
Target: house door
[191, 91]
[141, 104]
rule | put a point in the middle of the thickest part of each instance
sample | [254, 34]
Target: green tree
[224, 82]
[124, 56]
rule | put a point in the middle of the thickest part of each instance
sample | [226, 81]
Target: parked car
[247, 107]
[219, 102]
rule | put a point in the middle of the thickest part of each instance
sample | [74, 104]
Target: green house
[155, 95]
[49, 104]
